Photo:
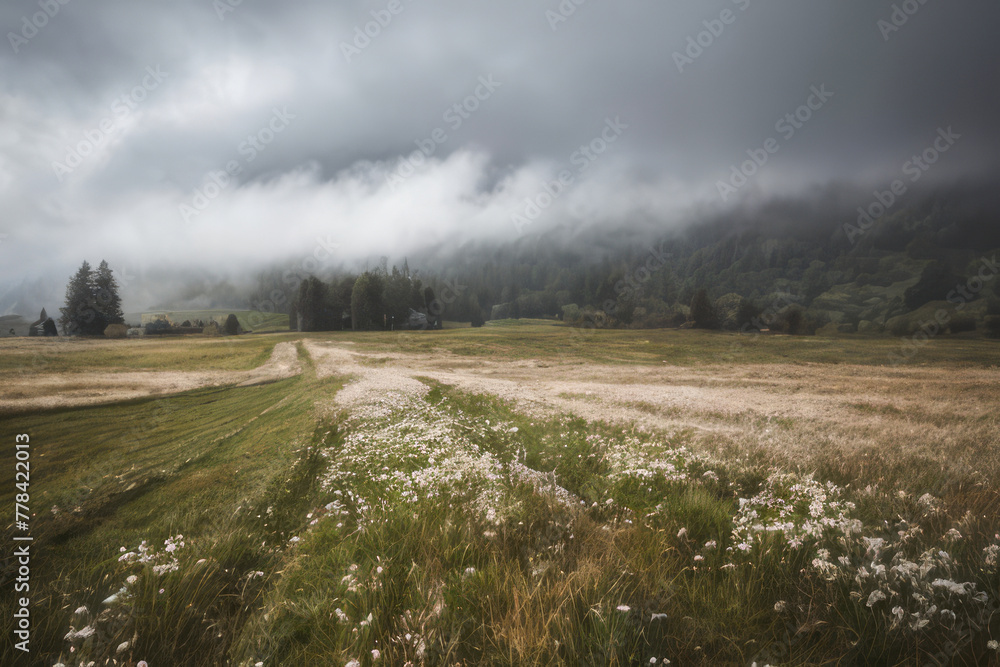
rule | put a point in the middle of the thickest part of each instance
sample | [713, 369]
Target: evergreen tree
[312, 305]
[397, 298]
[367, 309]
[107, 302]
[340, 302]
[748, 316]
[92, 302]
[793, 321]
[702, 312]
[78, 315]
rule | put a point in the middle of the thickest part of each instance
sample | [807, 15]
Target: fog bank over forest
[194, 147]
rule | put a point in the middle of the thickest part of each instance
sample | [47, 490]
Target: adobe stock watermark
[582, 158]
[218, 180]
[223, 7]
[698, 43]
[959, 297]
[455, 116]
[900, 16]
[363, 35]
[96, 138]
[632, 283]
[627, 289]
[913, 169]
[37, 21]
[446, 296]
[787, 126]
[562, 13]
[765, 320]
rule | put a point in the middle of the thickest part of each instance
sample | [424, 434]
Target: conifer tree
[92, 302]
[107, 301]
[702, 311]
[78, 314]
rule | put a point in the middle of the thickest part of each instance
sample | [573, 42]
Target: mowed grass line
[145, 470]
[38, 356]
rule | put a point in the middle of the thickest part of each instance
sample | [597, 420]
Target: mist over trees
[744, 275]
[786, 275]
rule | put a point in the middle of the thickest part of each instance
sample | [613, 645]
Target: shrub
[116, 331]
[232, 325]
[571, 312]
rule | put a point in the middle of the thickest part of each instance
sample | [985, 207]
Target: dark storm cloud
[695, 86]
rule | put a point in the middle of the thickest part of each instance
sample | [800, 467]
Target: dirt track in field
[55, 390]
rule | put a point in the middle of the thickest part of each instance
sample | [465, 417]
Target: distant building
[417, 319]
[44, 326]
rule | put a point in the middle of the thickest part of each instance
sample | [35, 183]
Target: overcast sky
[118, 120]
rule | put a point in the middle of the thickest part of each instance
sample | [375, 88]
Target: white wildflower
[949, 585]
[875, 597]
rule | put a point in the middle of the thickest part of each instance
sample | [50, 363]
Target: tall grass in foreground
[183, 603]
[459, 532]
[448, 529]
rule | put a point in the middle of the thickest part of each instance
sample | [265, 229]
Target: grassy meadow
[423, 523]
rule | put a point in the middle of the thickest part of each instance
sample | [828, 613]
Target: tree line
[784, 274]
[377, 299]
